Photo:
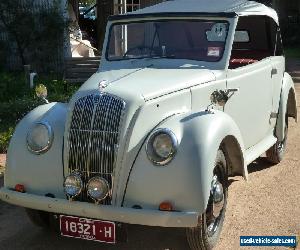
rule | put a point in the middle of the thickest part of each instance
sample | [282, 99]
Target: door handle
[274, 72]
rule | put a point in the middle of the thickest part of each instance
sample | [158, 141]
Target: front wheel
[205, 236]
[276, 153]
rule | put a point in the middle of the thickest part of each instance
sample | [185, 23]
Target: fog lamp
[73, 185]
[97, 188]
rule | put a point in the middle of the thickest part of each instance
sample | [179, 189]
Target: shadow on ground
[259, 164]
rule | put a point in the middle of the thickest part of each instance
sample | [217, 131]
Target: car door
[278, 68]
[250, 71]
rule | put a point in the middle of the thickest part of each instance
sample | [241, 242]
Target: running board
[255, 151]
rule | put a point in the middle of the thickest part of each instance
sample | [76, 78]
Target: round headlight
[40, 137]
[97, 188]
[73, 185]
[161, 146]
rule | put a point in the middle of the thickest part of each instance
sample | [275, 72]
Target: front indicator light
[20, 188]
[166, 206]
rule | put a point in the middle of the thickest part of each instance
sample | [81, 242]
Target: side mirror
[219, 97]
[41, 92]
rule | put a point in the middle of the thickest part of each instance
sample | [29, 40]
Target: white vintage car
[188, 93]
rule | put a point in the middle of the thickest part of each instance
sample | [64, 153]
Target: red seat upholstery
[236, 63]
[241, 58]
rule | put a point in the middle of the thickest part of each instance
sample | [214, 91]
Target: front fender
[288, 103]
[186, 180]
[40, 174]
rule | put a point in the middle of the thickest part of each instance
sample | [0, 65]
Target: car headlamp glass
[73, 185]
[97, 188]
[161, 146]
[40, 137]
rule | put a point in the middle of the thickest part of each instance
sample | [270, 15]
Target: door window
[254, 41]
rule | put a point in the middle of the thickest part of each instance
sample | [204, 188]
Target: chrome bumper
[110, 213]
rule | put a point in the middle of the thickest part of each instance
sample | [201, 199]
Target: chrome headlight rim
[50, 138]
[151, 152]
[106, 184]
[77, 175]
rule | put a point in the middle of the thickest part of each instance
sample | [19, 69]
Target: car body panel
[40, 174]
[162, 93]
[186, 180]
[253, 100]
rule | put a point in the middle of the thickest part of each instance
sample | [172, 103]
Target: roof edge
[172, 14]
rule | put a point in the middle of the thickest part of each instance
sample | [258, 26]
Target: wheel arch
[287, 105]
[200, 136]
[234, 156]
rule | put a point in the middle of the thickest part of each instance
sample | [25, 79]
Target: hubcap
[216, 204]
[281, 145]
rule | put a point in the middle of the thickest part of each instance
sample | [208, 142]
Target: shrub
[16, 100]
[5, 138]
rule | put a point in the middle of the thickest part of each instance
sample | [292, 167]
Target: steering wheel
[141, 49]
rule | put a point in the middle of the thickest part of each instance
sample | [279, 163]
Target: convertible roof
[204, 7]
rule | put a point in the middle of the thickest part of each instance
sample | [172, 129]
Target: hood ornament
[102, 85]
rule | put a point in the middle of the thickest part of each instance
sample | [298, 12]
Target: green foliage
[292, 52]
[16, 100]
[5, 138]
[87, 2]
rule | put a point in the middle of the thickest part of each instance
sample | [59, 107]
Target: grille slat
[94, 138]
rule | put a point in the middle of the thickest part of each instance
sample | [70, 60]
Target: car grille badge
[102, 85]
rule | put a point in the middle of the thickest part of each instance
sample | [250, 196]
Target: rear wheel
[276, 153]
[205, 236]
[38, 218]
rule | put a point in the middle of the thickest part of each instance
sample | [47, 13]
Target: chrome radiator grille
[94, 137]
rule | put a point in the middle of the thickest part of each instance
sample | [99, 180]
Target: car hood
[147, 83]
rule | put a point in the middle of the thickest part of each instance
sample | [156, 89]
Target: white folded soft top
[205, 7]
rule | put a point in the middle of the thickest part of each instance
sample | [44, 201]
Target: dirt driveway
[268, 204]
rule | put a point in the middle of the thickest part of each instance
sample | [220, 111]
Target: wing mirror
[41, 92]
[221, 97]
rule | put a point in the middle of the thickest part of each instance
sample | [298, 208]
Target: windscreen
[200, 40]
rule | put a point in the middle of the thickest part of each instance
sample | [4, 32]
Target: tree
[87, 2]
[36, 33]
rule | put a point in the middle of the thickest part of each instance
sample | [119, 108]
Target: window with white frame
[124, 6]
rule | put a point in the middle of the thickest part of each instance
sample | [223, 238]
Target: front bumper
[110, 213]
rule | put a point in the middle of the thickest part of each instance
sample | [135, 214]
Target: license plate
[88, 229]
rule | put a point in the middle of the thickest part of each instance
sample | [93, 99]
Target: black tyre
[205, 236]
[38, 218]
[276, 153]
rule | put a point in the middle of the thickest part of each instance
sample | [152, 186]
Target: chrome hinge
[273, 115]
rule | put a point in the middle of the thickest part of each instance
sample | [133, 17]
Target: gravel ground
[268, 204]
[2, 163]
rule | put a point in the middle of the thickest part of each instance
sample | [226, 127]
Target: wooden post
[105, 8]
[27, 74]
